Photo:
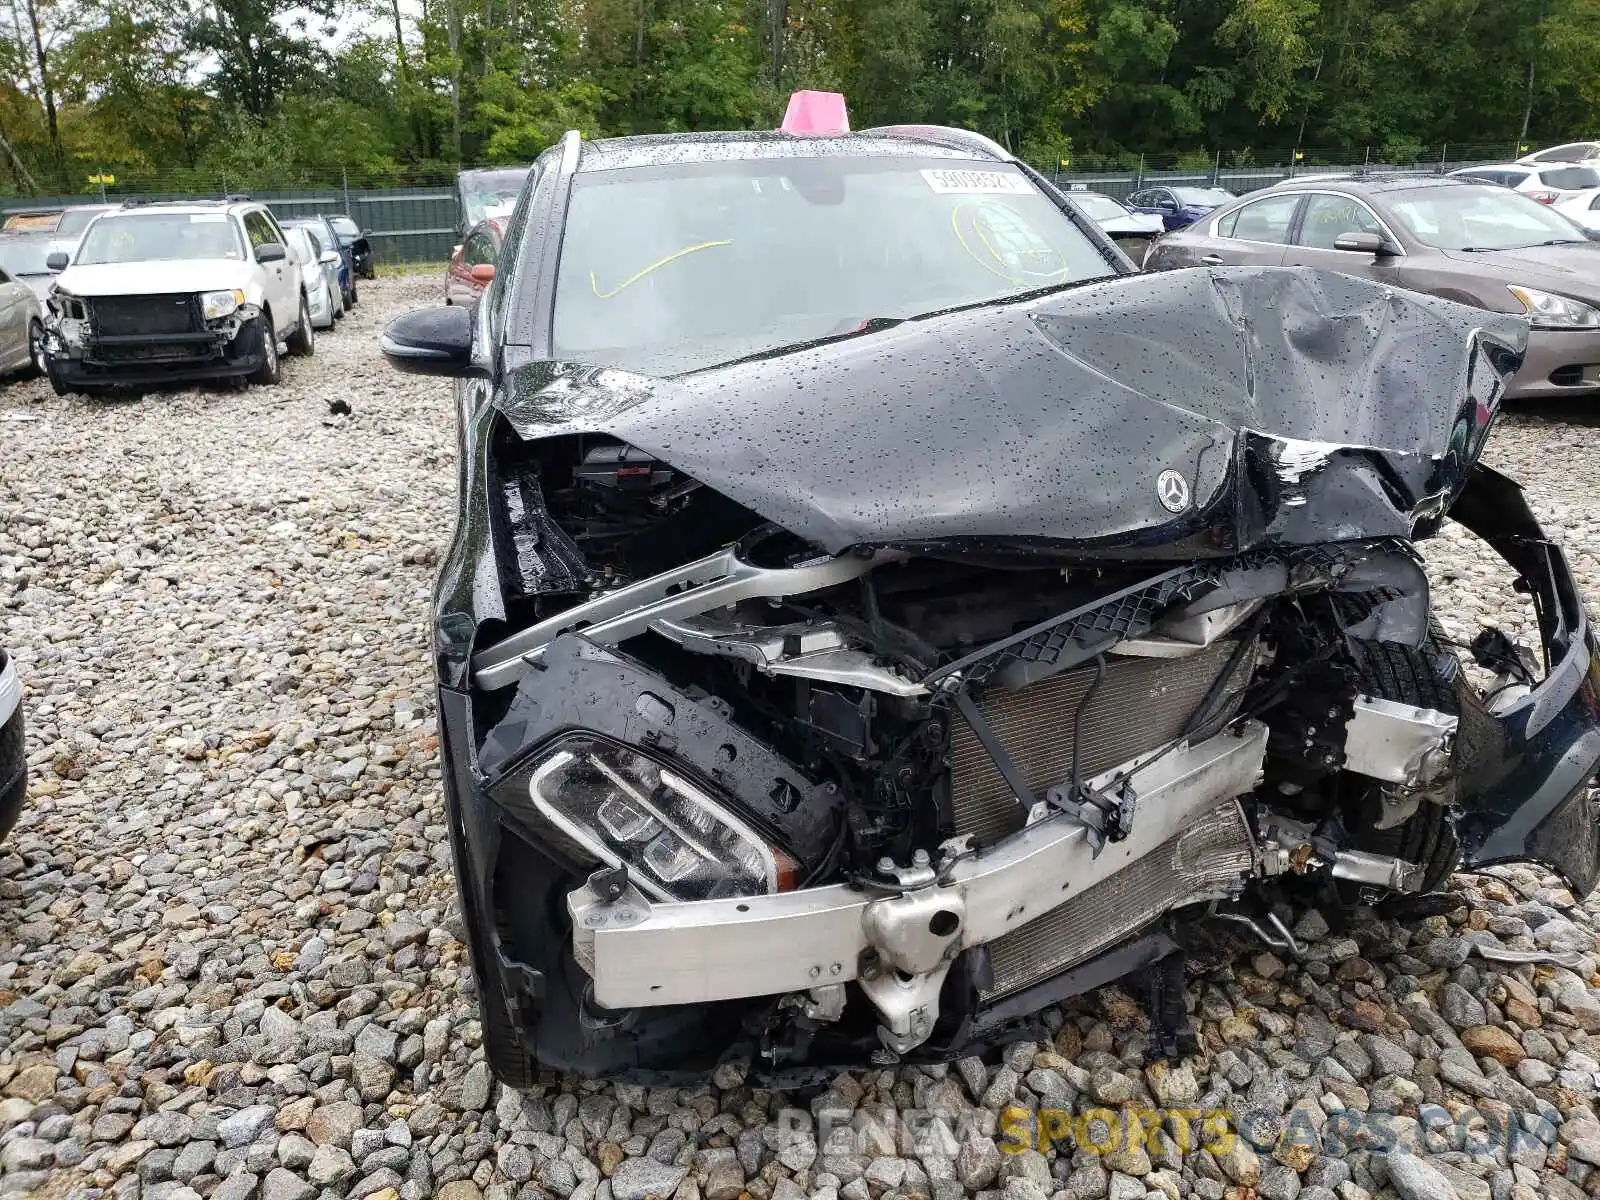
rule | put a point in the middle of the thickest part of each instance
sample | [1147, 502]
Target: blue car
[327, 236]
[1178, 206]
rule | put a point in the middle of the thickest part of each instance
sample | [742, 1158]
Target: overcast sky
[354, 20]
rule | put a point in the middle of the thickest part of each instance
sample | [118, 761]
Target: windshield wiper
[1524, 246]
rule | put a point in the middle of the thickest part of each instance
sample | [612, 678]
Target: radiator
[1140, 705]
[1204, 862]
[122, 316]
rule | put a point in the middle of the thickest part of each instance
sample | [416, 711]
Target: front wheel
[352, 289]
[303, 341]
[335, 301]
[1425, 677]
[267, 373]
[58, 381]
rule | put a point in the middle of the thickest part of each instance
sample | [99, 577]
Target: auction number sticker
[953, 182]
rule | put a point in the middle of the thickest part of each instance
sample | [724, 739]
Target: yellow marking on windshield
[655, 266]
[995, 264]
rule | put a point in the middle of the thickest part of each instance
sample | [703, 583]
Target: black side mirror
[1359, 243]
[431, 341]
[57, 260]
[1169, 205]
[269, 252]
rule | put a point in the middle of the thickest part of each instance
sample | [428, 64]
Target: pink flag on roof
[816, 112]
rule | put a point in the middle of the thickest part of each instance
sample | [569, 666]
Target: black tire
[36, 354]
[352, 289]
[58, 382]
[266, 375]
[1427, 677]
[303, 341]
[336, 302]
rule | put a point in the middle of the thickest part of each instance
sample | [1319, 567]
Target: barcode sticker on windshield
[976, 183]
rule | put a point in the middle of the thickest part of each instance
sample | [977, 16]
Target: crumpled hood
[155, 278]
[1178, 414]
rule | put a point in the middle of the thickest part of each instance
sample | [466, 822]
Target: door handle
[1212, 260]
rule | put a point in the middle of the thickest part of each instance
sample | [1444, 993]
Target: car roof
[653, 149]
[1378, 183]
[504, 169]
[1531, 167]
[185, 206]
[1594, 149]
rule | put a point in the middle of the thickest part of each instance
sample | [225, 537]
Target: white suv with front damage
[171, 293]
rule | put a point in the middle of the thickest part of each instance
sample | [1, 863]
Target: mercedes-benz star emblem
[1173, 491]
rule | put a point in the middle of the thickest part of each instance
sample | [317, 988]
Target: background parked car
[1470, 242]
[322, 300]
[472, 265]
[69, 229]
[21, 327]
[167, 293]
[326, 236]
[1567, 186]
[25, 257]
[490, 192]
[1574, 152]
[1178, 207]
[351, 238]
[13, 762]
[1132, 232]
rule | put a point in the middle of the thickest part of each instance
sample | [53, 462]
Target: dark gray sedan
[1480, 245]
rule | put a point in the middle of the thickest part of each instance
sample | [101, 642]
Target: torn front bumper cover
[898, 942]
[1527, 777]
[229, 347]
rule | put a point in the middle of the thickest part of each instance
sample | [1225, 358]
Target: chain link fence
[409, 214]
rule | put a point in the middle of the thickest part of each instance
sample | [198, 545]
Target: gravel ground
[228, 954]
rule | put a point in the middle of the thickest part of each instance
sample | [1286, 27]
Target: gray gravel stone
[1416, 1179]
[282, 1184]
[246, 1125]
[636, 1178]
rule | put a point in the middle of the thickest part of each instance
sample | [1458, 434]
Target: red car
[472, 264]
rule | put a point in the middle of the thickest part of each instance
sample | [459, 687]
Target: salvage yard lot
[228, 953]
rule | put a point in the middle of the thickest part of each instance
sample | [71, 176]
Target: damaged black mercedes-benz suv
[874, 611]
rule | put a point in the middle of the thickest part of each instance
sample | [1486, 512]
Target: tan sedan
[1485, 246]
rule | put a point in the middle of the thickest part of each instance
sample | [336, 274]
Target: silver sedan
[21, 321]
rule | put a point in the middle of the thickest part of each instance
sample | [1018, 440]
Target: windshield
[1211, 196]
[345, 227]
[1480, 218]
[24, 257]
[1100, 208]
[145, 237]
[491, 193]
[673, 268]
[75, 220]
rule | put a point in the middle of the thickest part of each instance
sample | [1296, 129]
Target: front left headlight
[1546, 310]
[678, 842]
[220, 304]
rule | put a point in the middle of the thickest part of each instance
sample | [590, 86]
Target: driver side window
[258, 230]
[1327, 217]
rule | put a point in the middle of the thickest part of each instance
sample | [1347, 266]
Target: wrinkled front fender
[1526, 776]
